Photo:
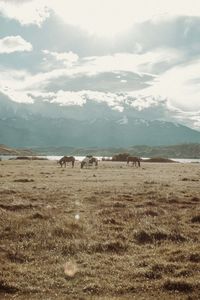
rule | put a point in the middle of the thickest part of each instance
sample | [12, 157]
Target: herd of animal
[90, 160]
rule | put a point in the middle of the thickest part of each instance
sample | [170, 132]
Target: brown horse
[65, 159]
[89, 161]
[135, 160]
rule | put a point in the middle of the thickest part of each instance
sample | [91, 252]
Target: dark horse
[89, 161]
[135, 160]
[66, 159]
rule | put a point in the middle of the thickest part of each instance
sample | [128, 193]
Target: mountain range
[42, 124]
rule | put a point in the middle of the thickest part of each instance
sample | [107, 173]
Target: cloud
[103, 82]
[26, 12]
[122, 67]
[134, 62]
[67, 58]
[180, 85]
[12, 44]
[16, 95]
[12, 85]
[17, 2]
[96, 16]
[68, 98]
[121, 72]
[131, 104]
[153, 65]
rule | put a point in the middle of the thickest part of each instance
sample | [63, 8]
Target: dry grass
[115, 232]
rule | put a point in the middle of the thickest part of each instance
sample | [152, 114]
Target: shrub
[120, 157]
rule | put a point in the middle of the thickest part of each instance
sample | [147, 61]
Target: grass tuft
[195, 219]
[180, 286]
[195, 257]
[110, 246]
[7, 288]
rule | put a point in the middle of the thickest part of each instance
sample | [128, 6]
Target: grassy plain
[115, 232]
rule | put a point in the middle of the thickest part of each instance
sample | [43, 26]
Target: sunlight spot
[70, 269]
[77, 217]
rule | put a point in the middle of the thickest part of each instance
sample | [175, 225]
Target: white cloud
[195, 121]
[67, 58]
[16, 95]
[88, 67]
[12, 85]
[17, 2]
[146, 105]
[143, 102]
[141, 63]
[100, 17]
[180, 85]
[111, 17]
[67, 98]
[10, 44]
[26, 12]
[188, 118]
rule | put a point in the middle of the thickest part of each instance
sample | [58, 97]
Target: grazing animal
[65, 159]
[89, 161]
[135, 160]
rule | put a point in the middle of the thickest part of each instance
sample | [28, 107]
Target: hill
[5, 150]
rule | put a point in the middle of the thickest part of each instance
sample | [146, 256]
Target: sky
[142, 52]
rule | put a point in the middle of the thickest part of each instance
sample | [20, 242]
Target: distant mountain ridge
[174, 151]
[5, 150]
[93, 125]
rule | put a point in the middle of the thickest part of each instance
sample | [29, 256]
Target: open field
[115, 232]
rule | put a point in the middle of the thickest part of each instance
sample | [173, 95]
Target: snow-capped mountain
[91, 125]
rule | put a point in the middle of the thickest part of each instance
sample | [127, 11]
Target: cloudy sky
[145, 53]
